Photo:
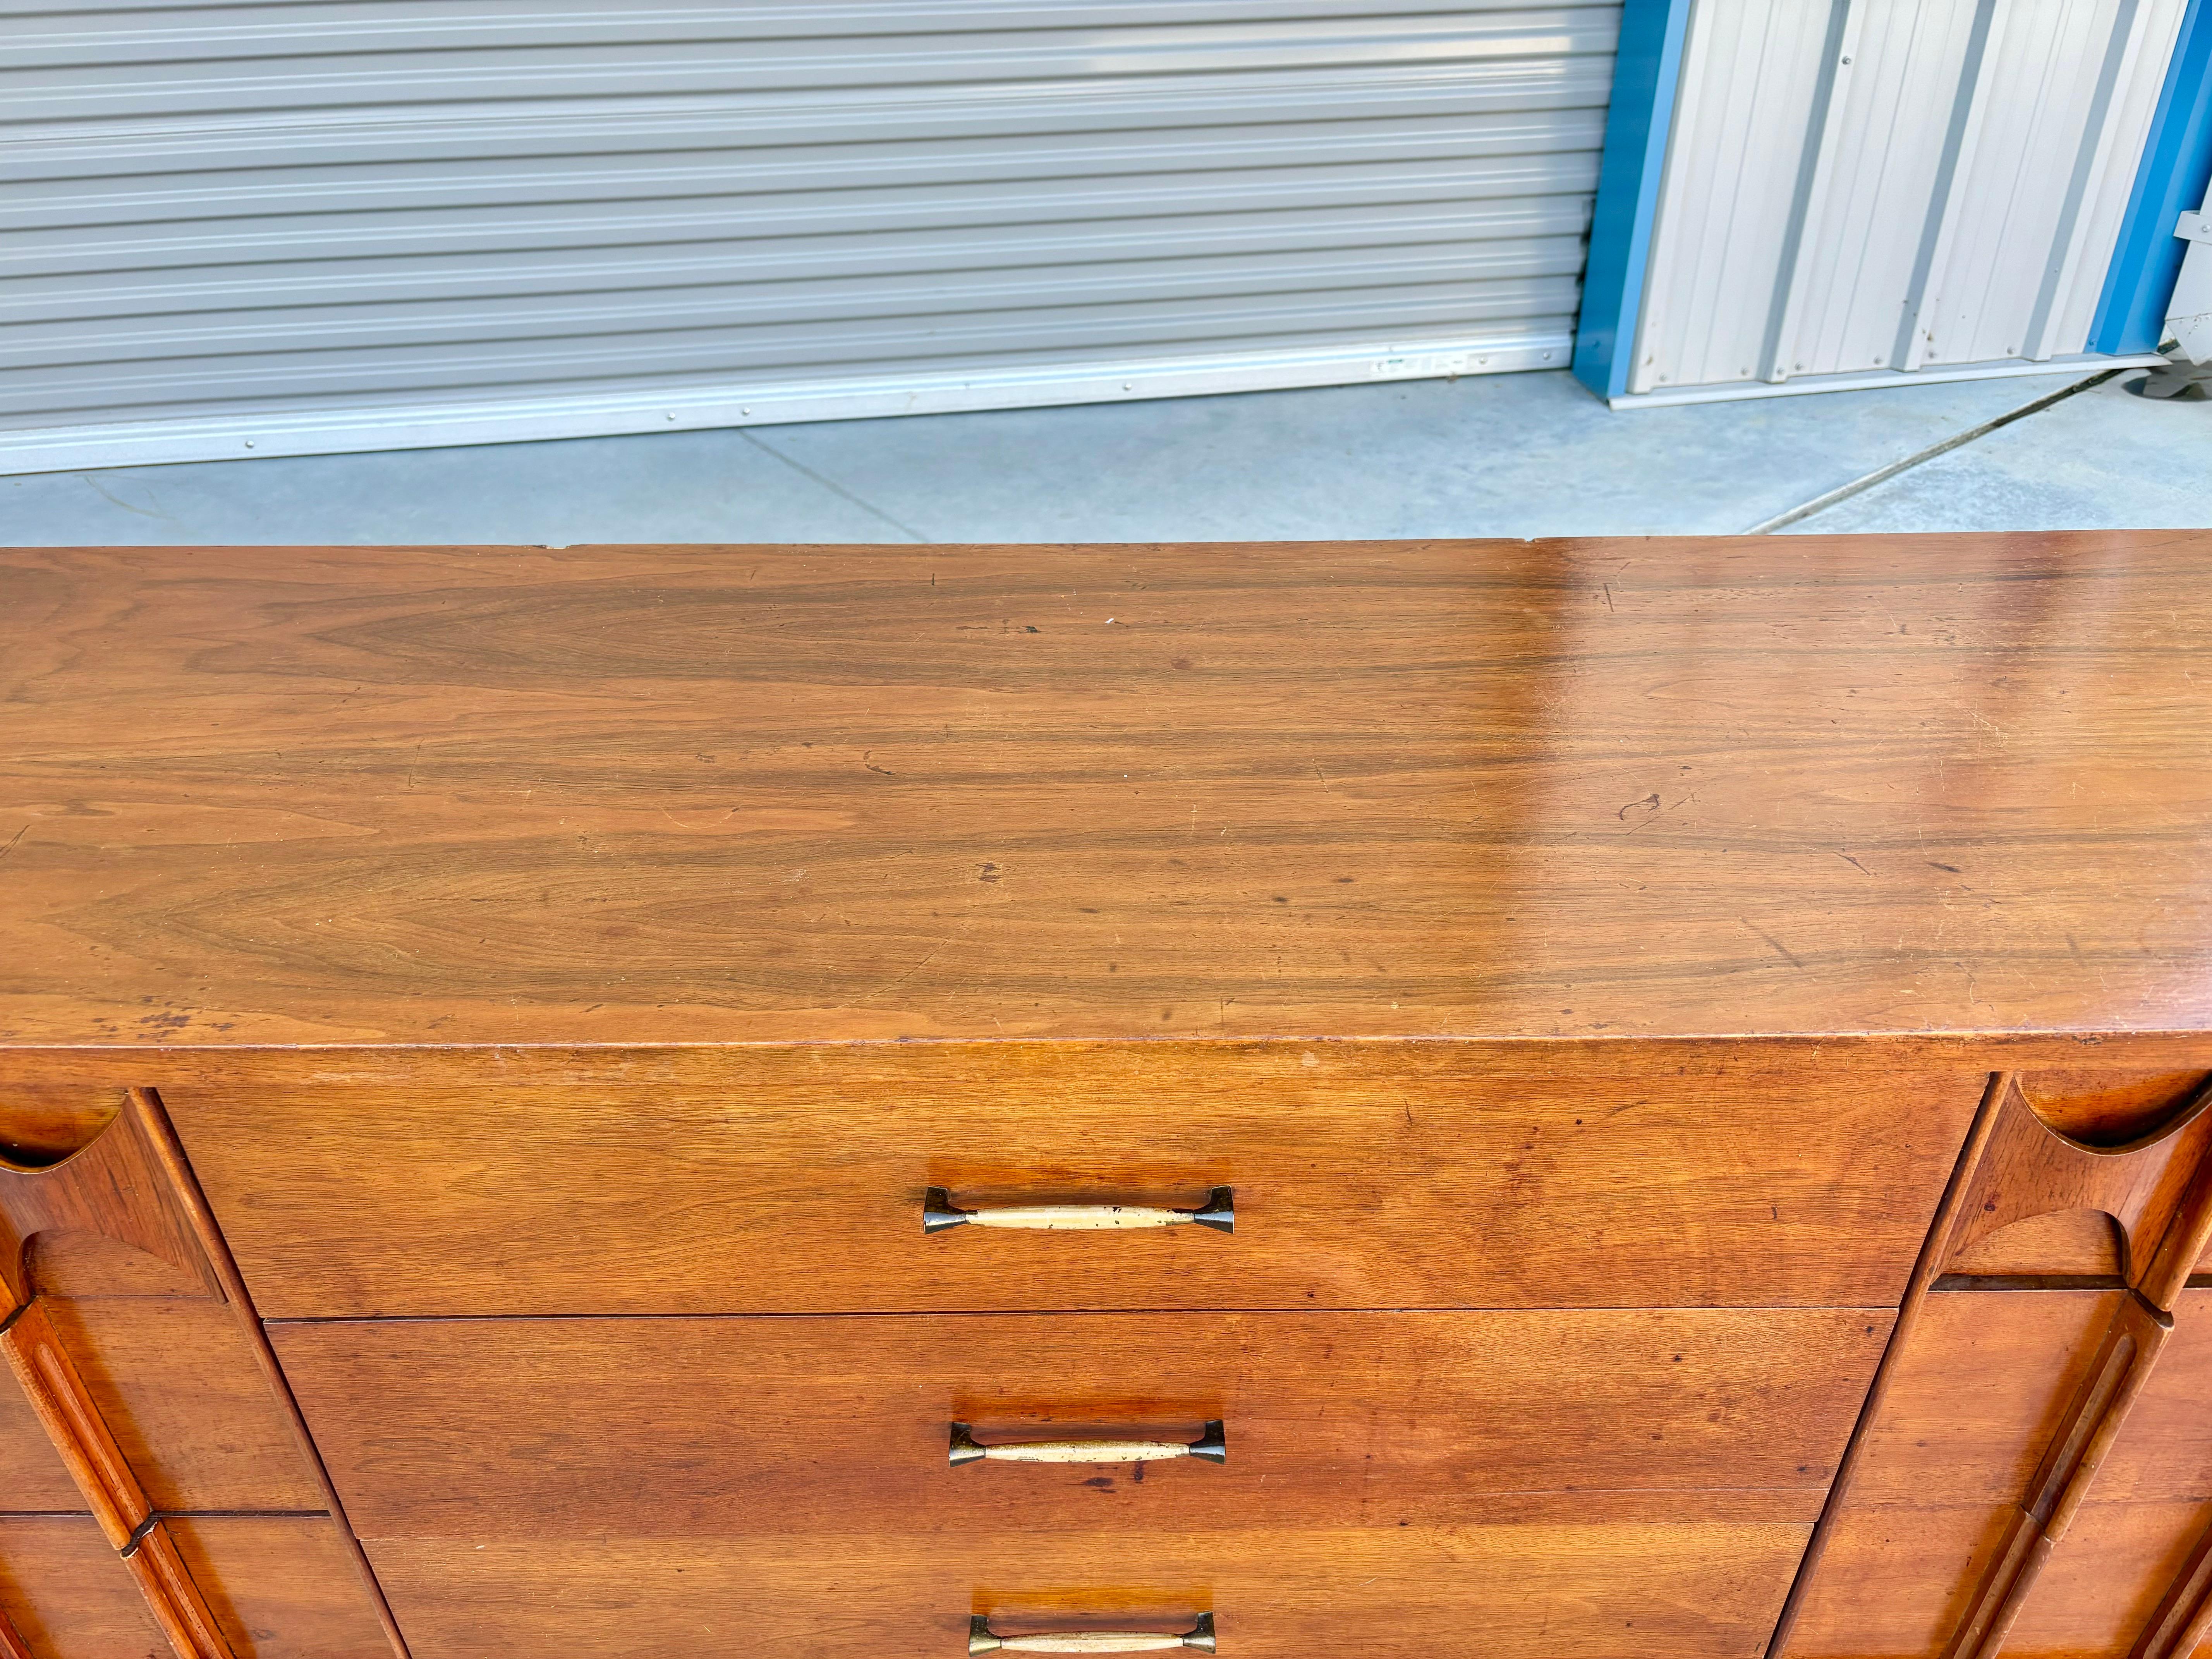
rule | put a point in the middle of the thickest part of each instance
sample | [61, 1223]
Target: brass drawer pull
[1218, 1212]
[980, 1640]
[1212, 1446]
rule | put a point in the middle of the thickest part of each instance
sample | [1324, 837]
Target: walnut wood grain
[114, 1190]
[33, 1477]
[2184, 1617]
[279, 1587]
[1366, 1175]
[1882, 1597]
[65, 1409]
[68, 1595]
[174, 1596]
[180, 1388]
[564, 1428]
[1537, 1590]
[2061, 1484]
[168, 1155]
[2158, 1188]
[204, 1413]
[1972, 1406]
[1822, 785]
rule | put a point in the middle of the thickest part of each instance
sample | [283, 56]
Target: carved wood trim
[12, 1645]
[2158, 1189]
[160, 1137]
[2184, 1618]
[2124, 1357]
[1933, 1253]
[176, 1603]
[2015, 1167]
[114, 1187]
[74, 1424]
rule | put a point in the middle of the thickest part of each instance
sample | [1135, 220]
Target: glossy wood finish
[1574, 955]
[69, 1596]
[1808, 784]
[33, 1478]
[1532, 1590]
[281, 1587]
[1366, 1175]
[72, 1420]
[160, 1393]
[569, 1428]
[178, 1385]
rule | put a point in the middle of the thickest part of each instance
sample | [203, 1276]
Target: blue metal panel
[2176, 161]
[1645, 77]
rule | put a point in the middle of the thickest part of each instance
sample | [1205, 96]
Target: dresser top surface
[1726, 786]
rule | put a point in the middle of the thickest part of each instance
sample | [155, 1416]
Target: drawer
[1364, 1176]
[519, 1428]
[1590, 1589]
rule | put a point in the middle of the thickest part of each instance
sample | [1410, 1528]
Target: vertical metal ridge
[1818, 148]
[2035, 343]
[1906, 354]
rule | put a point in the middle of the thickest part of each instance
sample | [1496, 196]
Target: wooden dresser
[1560, 1100]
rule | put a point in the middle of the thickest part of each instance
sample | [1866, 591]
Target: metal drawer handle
[939, 1212]
[1213, 1446]
[980, 1640]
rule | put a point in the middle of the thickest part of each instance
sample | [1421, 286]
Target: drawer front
[33, 1477]
[519, 1428]
[1531, 1591]
[1363, 1178]
[281, 1587]
[177, 1382]
[67, 1595]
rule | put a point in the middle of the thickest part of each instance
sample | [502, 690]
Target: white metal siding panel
[1749, 71]
[2110, 176]
[1860, 186]
[262, 216]
[1863, 230]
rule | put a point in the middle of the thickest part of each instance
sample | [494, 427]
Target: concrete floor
[1499, 455]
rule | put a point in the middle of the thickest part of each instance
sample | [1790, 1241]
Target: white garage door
[376, 223]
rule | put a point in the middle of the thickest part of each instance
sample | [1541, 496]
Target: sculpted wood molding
[2157, 1187]
[131, 1184]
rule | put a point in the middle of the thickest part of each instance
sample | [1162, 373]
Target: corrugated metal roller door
[314, 226]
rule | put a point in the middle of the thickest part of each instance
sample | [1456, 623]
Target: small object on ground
[2181, 382]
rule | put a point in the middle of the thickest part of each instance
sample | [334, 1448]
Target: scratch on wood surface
[1776, 942]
